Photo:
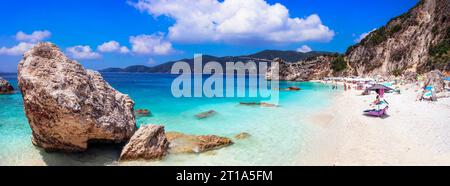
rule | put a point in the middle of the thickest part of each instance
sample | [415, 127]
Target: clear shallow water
[279, 134]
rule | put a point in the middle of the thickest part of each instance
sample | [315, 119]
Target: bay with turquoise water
[278, 135]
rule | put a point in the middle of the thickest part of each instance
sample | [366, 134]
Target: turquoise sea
[278, 135]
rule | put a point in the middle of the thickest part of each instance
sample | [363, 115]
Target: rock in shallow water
[148, 143]
[5, 87]
[207, 114]
[241, 136]
[293, 88]
[262, 104]
[184, 143]
[68, 106]
[143, 113]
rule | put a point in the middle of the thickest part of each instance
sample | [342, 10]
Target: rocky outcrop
[417, 41]
[5, 87]
[67, 106]
[148, 143]
[313, 68]
[183, 143]
[409, 77]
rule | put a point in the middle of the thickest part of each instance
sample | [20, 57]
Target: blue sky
[150, 32]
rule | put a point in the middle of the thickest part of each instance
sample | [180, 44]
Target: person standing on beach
[377, 100]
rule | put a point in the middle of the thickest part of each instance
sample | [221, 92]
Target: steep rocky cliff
[309, 69]
[417, 41]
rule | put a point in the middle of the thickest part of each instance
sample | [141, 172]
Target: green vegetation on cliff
[440, 54]
[339, 64]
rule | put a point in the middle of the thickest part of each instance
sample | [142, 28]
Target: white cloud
[124, 50]
[26, 42]
[363, 35]
[112, 46]
[19, 49]
[82, 52]
[304, 49]
[235, 20]
[154, 44]
[36, 36]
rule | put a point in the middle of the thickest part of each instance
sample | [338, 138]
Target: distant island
[263, 56]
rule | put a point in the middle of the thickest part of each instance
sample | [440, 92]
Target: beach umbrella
[380, 89]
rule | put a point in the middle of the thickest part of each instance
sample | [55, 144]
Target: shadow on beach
[382, 117]
[96, 155]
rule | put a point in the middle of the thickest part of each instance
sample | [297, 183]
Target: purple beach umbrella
[380, 89]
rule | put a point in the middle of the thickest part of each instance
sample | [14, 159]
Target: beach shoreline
[414, 133]
[337, 134]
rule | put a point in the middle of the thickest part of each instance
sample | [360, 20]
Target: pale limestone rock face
[403, 45]
[68, 106]
[5, 86]
[148, 143]
[413, 43]
[315, 68]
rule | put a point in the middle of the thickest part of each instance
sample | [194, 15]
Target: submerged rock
[206, 114]
[293, 88]
[262, 104]
[142, 113]
[148, 143]
[68, 106]
[5, 87]
[243, 135]
[249, 103]
[184, 143]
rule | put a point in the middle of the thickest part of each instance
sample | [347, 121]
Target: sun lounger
[376, 113]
